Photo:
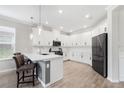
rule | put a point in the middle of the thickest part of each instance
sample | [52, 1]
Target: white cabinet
[56, 70]
[95, 32]
[36, 39]
[56, 35]
[73, 40]
[62, 40]
[65, 41]
[66, 53]
[87, 39]
[102, 29]
[78, 40]
[42, 38]
[46, 38]
[82, 55]
[81, 40]
[99, 30]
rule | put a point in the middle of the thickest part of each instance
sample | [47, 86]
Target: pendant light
[31, 34]
[39, 25]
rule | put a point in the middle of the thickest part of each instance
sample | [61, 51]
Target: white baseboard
[121, 78]
[7, 70]
[114, 81]
[109, 79]
[44, 86]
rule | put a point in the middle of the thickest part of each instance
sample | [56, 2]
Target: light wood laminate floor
[76, 75]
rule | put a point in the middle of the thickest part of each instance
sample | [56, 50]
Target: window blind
[7, 42]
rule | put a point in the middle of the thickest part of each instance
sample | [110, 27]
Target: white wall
[121, 42]
[23, 42]
[113, 50]
[121, 29]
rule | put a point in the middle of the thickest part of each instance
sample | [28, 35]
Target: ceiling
[67, 18]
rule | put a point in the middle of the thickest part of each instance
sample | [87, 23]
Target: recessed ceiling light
[46, 22]
[60, 11]
[70, 30]
[85, 26]
[88, 16]
[61, 27]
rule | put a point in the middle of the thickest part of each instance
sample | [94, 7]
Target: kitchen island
[50, 67]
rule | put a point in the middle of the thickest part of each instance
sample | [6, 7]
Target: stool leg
[17, 79]
[23, 75]
[36, 71]
[33, 77]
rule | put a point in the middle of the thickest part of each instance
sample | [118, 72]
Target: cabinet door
[63, 40]
[73, 40]
[66, 40]
[56, 69]
[87, 39]
[46, 38]
[42, 38]
[78, 40]
[36, 39]
[49, 38]
[95, 32]
[56, 35]
[103, 29]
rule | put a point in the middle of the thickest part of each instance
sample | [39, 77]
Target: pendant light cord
[39, 15]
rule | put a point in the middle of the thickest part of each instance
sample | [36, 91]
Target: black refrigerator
[99, 54]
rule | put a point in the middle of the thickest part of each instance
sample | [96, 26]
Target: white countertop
[38, 57]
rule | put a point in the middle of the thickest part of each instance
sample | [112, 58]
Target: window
[7, 42]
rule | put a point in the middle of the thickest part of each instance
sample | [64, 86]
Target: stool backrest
[17, 53]
[19, 60]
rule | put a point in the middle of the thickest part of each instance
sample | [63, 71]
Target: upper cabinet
[102, 28]
[73, 40]
[87, 39]
[81, 40]
[36, 39]
[45, 38]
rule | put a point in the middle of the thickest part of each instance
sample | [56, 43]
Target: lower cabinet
[65, 56]
[80, 56]
[57, 70]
